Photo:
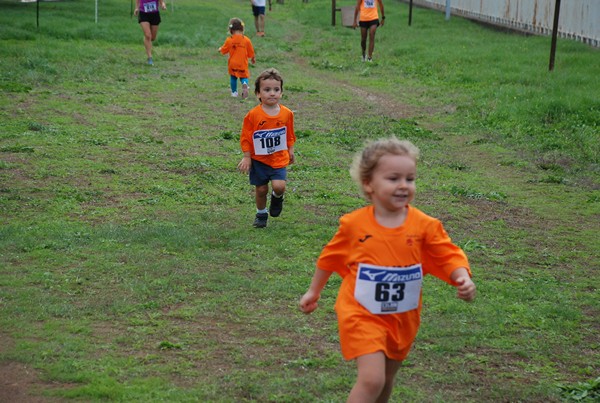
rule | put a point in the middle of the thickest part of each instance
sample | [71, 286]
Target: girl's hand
[465, 288]
[163, 5]
[308, 302]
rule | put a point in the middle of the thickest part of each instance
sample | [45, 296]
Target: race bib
[150, 7]
[384, 290]
[369, 3]
[270, 141]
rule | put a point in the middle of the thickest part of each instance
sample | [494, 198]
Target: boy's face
[270, 92]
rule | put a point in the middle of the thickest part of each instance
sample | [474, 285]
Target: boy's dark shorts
[256, 10]
[152, 18]
[368, 24]
[261, 174]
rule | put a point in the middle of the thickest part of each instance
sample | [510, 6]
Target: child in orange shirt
[267, 141]
[240, 49]
[382, 251]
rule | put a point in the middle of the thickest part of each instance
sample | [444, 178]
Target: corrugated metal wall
[579, 19]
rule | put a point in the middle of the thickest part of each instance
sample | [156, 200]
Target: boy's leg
[371, 379]
[261, 196]
[277, 197]
[261, 206]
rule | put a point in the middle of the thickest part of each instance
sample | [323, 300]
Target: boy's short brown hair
[268, 74]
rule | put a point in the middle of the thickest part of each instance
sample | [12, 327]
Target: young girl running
[240, 49]
[267, 141]
[382, 251]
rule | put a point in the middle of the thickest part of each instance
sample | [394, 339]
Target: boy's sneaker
[364, 58]
[370, 60]
[276, 206]
[150, 62]
[244, 90]
[261, 220]
[234, 94]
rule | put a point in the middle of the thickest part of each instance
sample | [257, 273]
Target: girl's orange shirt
[360, 239]
[240, 49]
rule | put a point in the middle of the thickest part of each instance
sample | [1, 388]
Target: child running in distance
[239, 48]
[267, 141]
[382, 251]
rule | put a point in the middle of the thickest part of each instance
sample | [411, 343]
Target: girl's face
[270, 92]
[392, 185]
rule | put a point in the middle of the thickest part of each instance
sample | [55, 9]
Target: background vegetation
[129, 270]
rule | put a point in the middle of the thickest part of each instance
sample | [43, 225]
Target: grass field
[129, 269]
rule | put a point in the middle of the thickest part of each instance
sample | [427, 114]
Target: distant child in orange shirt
[267, 141]
[382, 251]
[240, 49]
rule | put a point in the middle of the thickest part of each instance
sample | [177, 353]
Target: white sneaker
[364, 58]
[234, 94]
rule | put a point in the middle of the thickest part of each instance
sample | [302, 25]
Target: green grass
[129, 270]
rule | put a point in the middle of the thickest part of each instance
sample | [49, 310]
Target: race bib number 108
[270, 141]
[385, 290]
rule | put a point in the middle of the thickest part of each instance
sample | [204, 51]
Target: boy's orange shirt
[361, 240]
[240, 49]
[275, 133]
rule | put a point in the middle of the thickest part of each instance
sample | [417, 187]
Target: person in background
[258, 9]
[239, 48]
[148, 14]
[368, 22]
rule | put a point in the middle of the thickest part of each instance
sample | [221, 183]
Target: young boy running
[267, 141]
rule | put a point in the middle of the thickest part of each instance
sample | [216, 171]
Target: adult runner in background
[149, 18]
[368, 22]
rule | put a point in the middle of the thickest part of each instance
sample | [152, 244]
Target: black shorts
[368, 24]
[152, 18]
[258, 10]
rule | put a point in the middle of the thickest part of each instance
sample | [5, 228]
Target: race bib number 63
[385, 290]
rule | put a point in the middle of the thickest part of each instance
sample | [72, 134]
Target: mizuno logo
[373, 275]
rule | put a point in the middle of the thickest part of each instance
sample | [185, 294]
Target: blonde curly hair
[365, 161]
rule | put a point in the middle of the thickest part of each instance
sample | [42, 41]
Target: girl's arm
[163, 5]
[308, 302]
[464, 285]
